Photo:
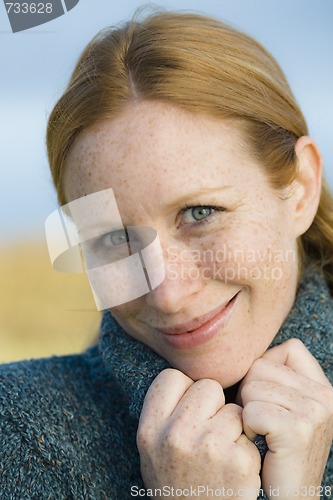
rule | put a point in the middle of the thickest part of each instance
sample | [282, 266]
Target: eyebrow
[195, 195]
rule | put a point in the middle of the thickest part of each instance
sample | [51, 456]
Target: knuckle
[247, 390]
[250, 409]
[170, 440]
[211, 386]
[147, 434]
[320, 413]
[321, 408]
[143, 438]
[173, 443]
[303, 431]
[170, 374]
[242, 460]
[295, 343]
[257, 367]
[328, 398]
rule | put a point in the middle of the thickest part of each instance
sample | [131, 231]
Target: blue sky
[35, 66]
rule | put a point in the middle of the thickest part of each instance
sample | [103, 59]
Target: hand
[188, 437]
[287, 398]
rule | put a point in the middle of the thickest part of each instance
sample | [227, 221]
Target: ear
[306, 187]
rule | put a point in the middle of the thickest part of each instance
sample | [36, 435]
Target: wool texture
[68, 424]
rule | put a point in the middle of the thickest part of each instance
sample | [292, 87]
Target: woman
[193, 127]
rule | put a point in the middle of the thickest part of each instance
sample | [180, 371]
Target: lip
[200, 330]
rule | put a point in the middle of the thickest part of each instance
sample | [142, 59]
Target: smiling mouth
[201, 329]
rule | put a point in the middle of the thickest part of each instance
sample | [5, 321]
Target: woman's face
[228, 238]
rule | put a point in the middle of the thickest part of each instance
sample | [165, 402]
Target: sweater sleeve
[27, 471]
[35, 435]
[51, 431]
[65, 432]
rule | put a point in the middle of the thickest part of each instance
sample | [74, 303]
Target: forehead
[155, 149]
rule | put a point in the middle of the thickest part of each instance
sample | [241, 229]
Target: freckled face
[228, 238]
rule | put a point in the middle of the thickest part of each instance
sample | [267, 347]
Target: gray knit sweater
[68, 424]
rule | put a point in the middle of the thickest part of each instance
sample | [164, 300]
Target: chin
[227, 376]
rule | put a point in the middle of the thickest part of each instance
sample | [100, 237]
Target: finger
[296, 356]
[251, 450]
[286, 397]
[283, 429]
[200, 402]
[265, 370]
[262, 418]
[228, 422]
[164, 394]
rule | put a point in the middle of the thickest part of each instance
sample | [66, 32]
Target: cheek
[128, 310]
[126, 316]
[253, 251]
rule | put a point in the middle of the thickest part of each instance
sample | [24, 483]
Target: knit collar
[135, 365]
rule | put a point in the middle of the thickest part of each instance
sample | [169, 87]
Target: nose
[182, 280]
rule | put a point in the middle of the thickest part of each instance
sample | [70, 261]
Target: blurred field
[42, 312]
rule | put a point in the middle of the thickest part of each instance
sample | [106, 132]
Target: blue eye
[200, 213]
[111, 247]
[115, 238]
[197, 213]
[120, 238]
